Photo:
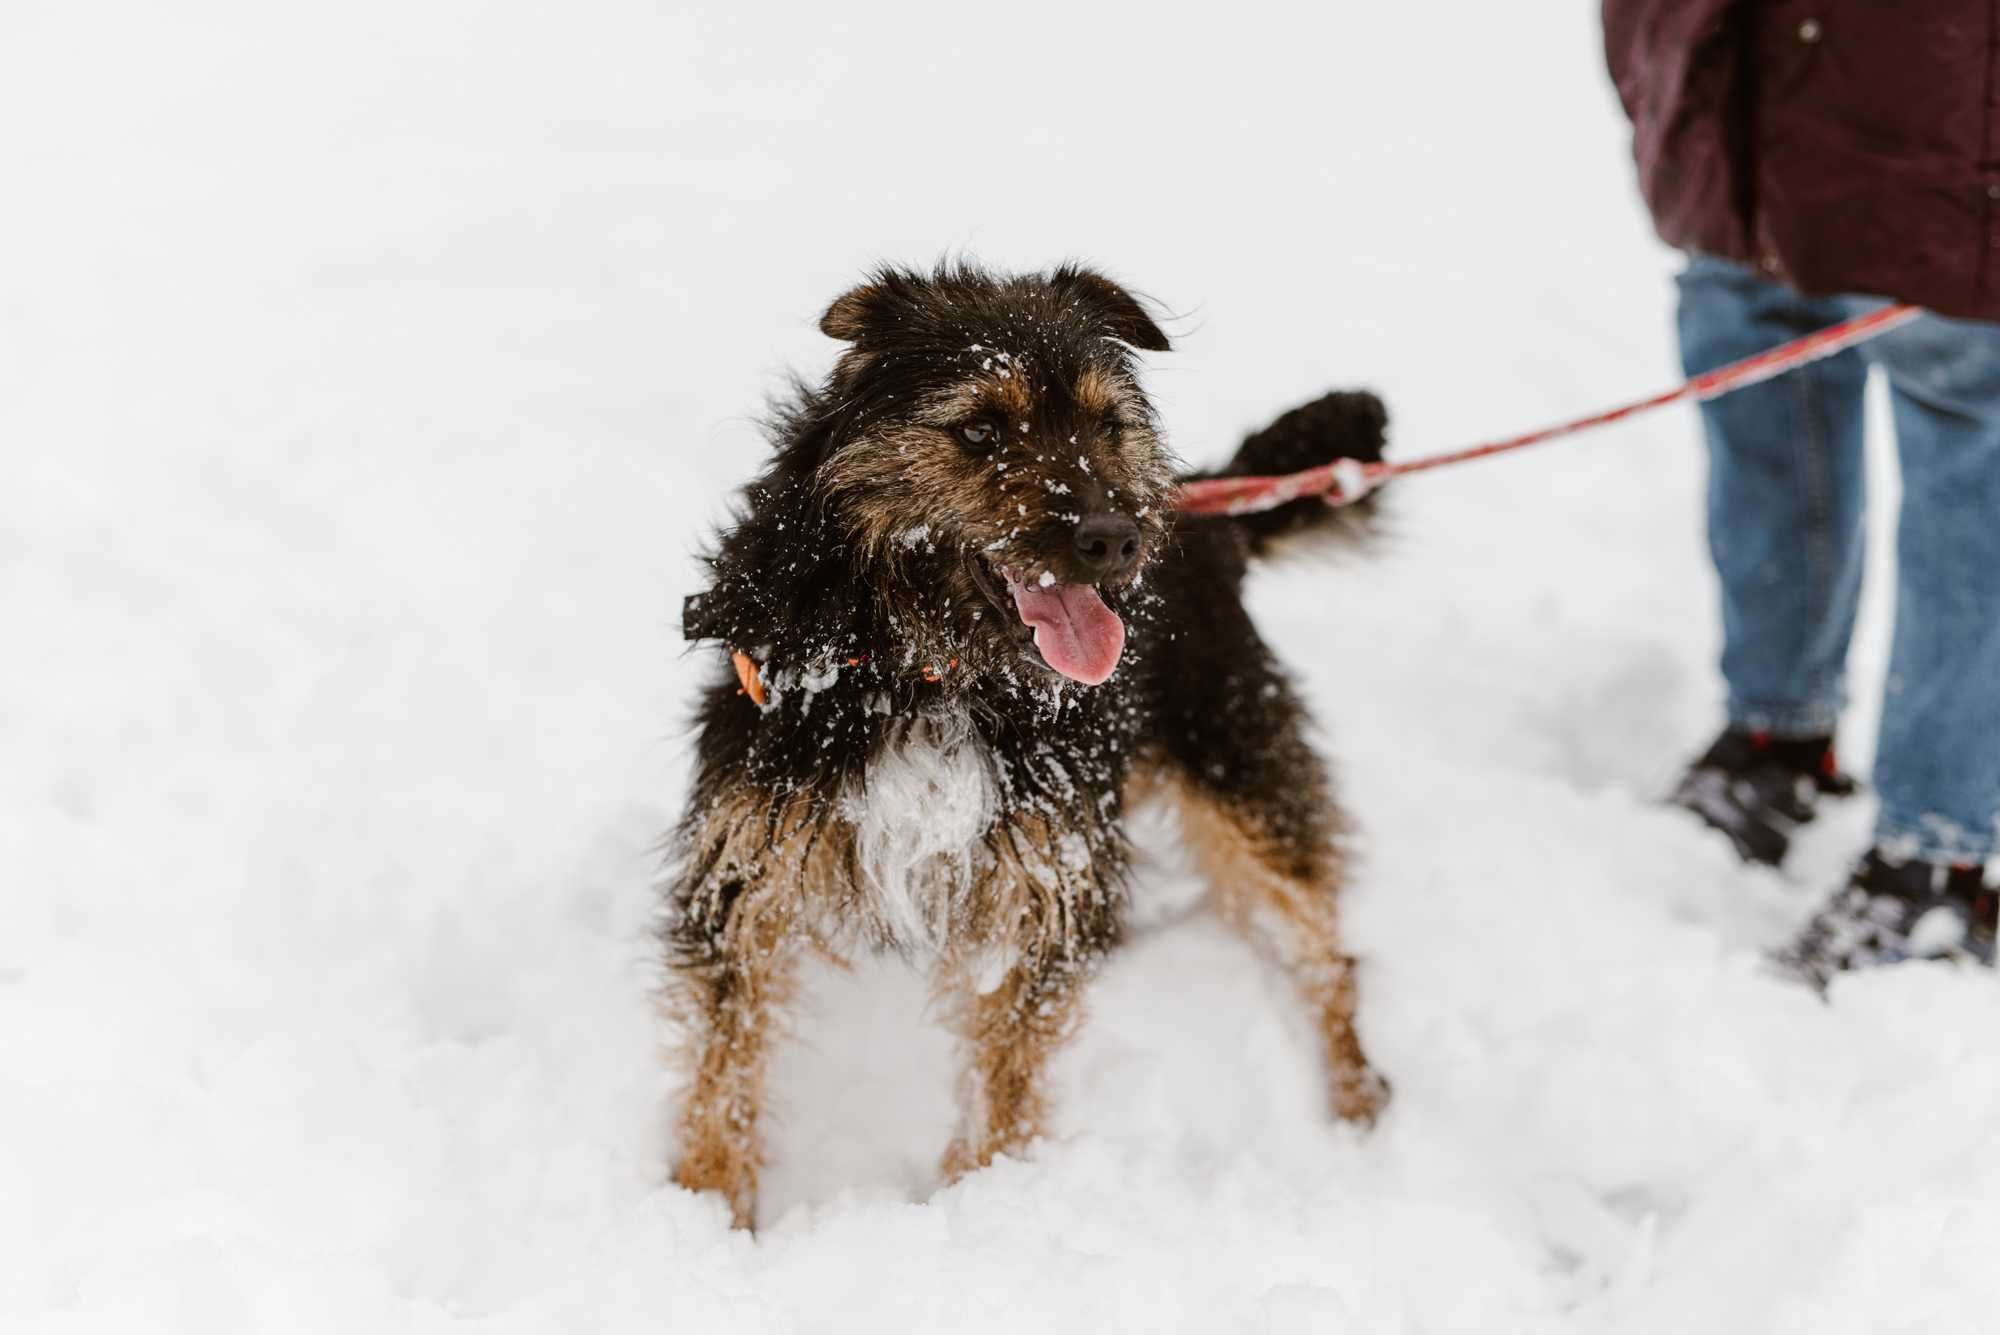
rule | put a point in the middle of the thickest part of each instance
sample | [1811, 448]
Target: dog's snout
[1107, 545]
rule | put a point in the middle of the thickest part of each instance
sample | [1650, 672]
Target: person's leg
[1784, 500]
[1920, 892]
[1785, 515]
[1938, 763]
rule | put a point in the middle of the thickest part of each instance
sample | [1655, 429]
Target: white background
[369, 374]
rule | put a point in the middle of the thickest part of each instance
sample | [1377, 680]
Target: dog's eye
[1114, 429]
[981, 435]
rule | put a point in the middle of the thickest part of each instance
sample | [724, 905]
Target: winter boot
[1892, 911]
[1756, 789]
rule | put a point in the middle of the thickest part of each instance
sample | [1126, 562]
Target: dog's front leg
[1008, 1035]
[730, 1001]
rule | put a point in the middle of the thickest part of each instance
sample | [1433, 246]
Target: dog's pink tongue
[1076, 633]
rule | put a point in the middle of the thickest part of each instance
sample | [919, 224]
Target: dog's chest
[920, 819]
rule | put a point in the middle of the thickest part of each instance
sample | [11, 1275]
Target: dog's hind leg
[1273, 861]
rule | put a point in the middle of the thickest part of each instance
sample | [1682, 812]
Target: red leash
[1346, 480]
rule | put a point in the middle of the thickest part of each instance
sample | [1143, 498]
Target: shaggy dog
[967, 632]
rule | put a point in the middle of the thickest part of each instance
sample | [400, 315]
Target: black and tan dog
[967, 632]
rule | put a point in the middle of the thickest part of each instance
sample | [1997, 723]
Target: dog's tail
[1346, 424]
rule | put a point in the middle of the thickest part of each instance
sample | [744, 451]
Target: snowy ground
[369, 373]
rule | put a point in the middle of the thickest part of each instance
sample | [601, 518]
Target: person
[1816, 161]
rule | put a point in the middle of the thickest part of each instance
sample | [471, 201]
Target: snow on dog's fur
[967, 631]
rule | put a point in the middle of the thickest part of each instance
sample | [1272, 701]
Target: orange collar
[751, 674]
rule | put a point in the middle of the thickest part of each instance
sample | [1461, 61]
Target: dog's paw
[958, 1160]
[739, 1190]
[968, 1154]
[1360, 1095]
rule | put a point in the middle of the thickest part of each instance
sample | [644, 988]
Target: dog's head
[990, 455]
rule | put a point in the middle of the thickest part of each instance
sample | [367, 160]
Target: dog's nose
[1106, 545]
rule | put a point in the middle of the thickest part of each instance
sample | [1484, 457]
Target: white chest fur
[919, 822]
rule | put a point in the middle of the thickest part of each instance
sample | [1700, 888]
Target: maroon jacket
[1839, 145]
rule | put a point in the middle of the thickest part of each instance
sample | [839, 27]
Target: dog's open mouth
[1074, 631]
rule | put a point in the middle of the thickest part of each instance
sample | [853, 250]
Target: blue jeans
[1785, 527]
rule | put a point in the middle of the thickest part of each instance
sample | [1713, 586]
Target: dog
[960, 631]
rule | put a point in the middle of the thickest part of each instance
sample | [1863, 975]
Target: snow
[368, 376]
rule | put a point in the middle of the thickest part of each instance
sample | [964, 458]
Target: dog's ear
[867, 309]
[1124, 317]
[852, 312]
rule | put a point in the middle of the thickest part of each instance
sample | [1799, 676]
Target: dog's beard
[982, 598]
